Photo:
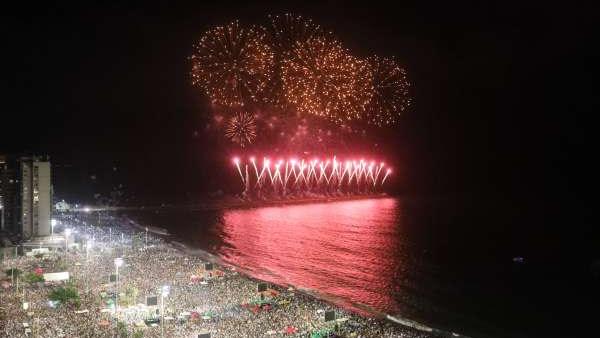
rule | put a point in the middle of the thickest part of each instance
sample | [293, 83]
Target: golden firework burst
[241, 129]
[233, 64]
[323, 79]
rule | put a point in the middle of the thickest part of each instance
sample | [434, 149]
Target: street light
[52, 225]
[88, 246]
[164, 292]
[67, 233]
[118, 263]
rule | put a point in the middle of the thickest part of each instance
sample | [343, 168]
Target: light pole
[118, 263]
[87, 263]
[146, 243]
[88, 246]
[52, 225]
[67, 233]
[164, 292]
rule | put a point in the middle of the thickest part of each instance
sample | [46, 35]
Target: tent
[209, 313]
[261, 302]
[290, 329]
[320, 333]
[56, 276]
[151, 320]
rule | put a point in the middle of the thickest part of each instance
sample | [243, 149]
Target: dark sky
[503, 92]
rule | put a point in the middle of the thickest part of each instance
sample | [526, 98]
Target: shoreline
[238, 203]
[361, 310]
[293, 201]
[224, 304]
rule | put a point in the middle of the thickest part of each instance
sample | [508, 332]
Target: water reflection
[348, 249]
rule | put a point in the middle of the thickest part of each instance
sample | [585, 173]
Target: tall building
[26, 193]
[8, 193]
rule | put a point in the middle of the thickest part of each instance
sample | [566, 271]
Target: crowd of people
[192, 297]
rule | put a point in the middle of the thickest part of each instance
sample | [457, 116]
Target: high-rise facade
[26, 189]
[8, 194]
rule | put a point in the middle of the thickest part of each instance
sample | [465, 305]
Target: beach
[216, 299]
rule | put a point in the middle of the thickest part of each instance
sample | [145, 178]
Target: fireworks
[295, 175]
[305, 90]
[285, 33]
[390, 92]
[288, 31]
[241, 129]
[323, 79]
[233, 64]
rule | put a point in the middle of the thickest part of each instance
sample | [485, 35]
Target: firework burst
[307, 91]
[233, 64]
[390, 92]
[323, 79]
[241, 129]
[285, 33]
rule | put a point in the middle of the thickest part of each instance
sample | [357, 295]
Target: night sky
[503, 94]
[501, 123]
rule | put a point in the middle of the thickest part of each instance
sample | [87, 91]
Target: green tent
[261, 302]
[209, 313]
[320, 333]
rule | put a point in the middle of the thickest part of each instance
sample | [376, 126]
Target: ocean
[466, 267]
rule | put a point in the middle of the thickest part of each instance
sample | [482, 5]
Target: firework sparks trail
[378, 172]
[237, 164]
[253, 160]
[317, 175]
[389, 171]
[259, 178]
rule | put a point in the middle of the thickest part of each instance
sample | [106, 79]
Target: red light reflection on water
[347, 249]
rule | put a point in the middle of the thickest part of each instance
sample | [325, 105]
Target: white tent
[56, 276]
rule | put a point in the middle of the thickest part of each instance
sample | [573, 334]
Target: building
[8, 193]
[26, 195]
[62, 206]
